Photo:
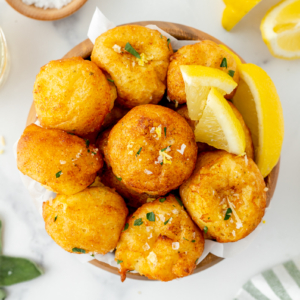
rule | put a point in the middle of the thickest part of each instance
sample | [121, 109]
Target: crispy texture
[101, 144]
[72, 94]
[114, 116]
[133, 149]
[136, 84]
[148, 249]
[221, 178]
[42, 153]
[91, 220]
[205, 53]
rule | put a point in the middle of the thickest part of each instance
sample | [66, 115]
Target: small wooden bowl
[49, 14]
[180, 32]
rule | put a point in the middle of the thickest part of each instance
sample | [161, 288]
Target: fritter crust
[135, 84]
[72, 94]
[91, 220]
[221, 181]
[164, 249]
[62, 162]
[205, 53]
[146, 149]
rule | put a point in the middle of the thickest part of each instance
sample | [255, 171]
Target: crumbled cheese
[130, 145]
[246, 159]
[266, 189]
[175, 246]
[130, 152]
[162, 217]
[233, 232]
[168, 149]
[149, 228]
[2, 141]
[133, 63]
[148, 172]
[143, 60]
[62, 162]
[166, 157]
[150, 200]
[170, 220]
[213, 192]
[146, 247]
[150, 236]
[181, 151]
[231, 221]
[158, 131]
[152, 258]
[117, 48]
[159, 160]
[238, 220]
[152, 129]
[175, 211]
[194, 235]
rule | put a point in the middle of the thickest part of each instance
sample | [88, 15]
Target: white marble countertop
[32, 44]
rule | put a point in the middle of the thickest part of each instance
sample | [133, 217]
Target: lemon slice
[219, 127]
[280, 29]
[198, 82]
[258, 102]
[235, 10]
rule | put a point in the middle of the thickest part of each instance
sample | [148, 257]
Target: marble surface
[31, 45]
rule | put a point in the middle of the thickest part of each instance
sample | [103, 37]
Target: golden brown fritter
[114, 116]
[225, 195]
[205, 53]
[60, 161]
[72, 94]
[160, 241]
[138, 81]
[101, 144]
[152, 149]
[89, 221]
[132, 198]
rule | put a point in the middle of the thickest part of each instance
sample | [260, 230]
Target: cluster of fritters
[110, 143]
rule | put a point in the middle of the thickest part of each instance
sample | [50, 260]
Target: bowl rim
[84, 49]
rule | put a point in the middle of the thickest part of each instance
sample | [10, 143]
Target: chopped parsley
[91, 73]
[193, 241]
[70, 133]
[228, 214]
[224, 63]
[132, 51]
[138, 153]
[205, 229]
[179, 201]
[231, 73]
[161, 36]
[165, 223]
[87, 143]
[94, 153]
[55, 218]
[92, 255]
[57, 175]
[161, 163]
[162, 200]
[119, 261]
[162, 150]
[126, 226]
[138, 222]
[168, 40]
[196, 260]
[165, 130]
[79, 250]
[119, 178]
[89, 150]
[185, 239]
[110, 80]
[151, 216]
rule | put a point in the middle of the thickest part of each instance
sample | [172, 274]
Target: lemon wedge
[235, 10]
[280, 29]
[236, 58]
[198, 82]
[219, 127]
[258, 102]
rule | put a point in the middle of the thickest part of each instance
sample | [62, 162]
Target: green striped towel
[279, 283]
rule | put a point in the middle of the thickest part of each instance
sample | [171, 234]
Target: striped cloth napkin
[279, 283]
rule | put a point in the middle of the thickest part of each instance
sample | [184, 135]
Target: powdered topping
[181, 151]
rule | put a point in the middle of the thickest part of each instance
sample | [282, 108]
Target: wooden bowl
[180, 32]
[49, 14]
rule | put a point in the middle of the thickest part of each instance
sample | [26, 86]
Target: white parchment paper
[39, 194]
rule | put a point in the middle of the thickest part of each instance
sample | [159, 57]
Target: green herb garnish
[138, 153]
[161, 163]
[138, 222]
[185, 239]
[57, 175]
[168, 40]
[87, 143]
[55, 218]
[228, 214]
[151, 216]
[110, 80]
[205, 229]
[119, 261]
[196, 260]
[167, 221]
[91, 73]
[119, 178]
[193, 241]
[179, 201]
[94, 153]
[132, 51]
[162, 150]
[165, 130]
[231, 73]
[126, 226]
[162, 200]
[70, 133]
[161, 36]
[224, 63]
[92, 255]
[89, 150]
[78, 250]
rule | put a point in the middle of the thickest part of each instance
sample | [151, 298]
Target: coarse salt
[181, 151]
[175, 246]
[266, 189]
[62, 162]
[117, 48]
[152, 258]
[233, 232]
[146, 247]
[148, 172]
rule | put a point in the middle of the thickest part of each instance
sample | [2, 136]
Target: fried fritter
[225, 195]
[205, 53]
[138, 81]
[114, 116]
[101, 144]
[72, 94]
[62, 162]
[160, 241]
[152, 149]
[89, 221]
